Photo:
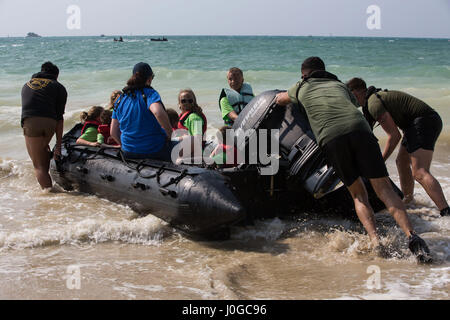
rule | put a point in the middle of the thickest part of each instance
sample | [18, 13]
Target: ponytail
[92, 114]
[83, 116]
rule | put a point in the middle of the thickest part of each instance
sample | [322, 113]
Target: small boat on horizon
[33, 35]
[159, 39]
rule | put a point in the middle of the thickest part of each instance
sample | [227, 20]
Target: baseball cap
[144, 69]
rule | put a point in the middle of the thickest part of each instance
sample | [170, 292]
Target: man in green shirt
[421, 126]
[349, 146]
[232, 101]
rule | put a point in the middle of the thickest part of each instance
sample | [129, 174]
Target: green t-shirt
[226, 108]
[194, 123]
[90, 134]
[402, 107]
[331, 108]
[100, 138]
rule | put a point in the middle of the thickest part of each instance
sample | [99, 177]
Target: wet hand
[57, 152]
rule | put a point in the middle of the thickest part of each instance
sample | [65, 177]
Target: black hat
[144, 69]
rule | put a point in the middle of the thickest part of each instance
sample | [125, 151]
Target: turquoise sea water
[121, 256]
[92, 66]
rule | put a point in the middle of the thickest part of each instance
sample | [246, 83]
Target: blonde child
[91, 121]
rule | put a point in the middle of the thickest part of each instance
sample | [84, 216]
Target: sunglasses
[187, 100]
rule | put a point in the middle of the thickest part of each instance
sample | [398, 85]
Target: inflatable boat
[204, 201]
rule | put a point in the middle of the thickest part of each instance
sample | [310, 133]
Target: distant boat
[118, 40]
[159, 39]
[33, 35]
[102, 35]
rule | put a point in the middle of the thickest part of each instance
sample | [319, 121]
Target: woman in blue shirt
[140, 121]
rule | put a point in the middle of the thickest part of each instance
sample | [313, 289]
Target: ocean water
[45, 236]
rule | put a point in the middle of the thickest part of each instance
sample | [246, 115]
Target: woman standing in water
[43, 105]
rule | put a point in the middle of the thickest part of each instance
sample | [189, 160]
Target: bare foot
[408, 198]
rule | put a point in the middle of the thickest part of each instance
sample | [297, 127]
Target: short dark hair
[236, 70]
[173, 116]
[49, 67]
[356, 84]
[313, 64]
[105, 117]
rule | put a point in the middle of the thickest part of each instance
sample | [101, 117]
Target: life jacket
[225, 148]
[88, 124]
[372, 90]
[185, 115]
[238, 100]
[104, 130]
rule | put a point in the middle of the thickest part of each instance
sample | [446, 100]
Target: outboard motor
[299, 151]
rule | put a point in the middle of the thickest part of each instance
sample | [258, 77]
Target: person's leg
[421, 162]
[393, 203]
[363, 209]
[38, 151]
[396, 208]
[403, 162]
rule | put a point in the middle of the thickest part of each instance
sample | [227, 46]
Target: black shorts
[356, 154]
[423, 133]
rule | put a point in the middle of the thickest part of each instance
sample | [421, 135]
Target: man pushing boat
[350, 147]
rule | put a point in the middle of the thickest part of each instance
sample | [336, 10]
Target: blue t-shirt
[141, 132]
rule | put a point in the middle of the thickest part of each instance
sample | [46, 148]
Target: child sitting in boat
[191, 118]
[113, 98]
[223, 149]
[96, 128]
[103, 135]
[191, 127]
[173, 118]
[91, 121]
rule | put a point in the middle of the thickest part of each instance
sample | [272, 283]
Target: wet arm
[283, 99]
[115, 131]
[232, 115]
[394, 135]
[162, 117]
[227, 110]
[58, 133]
[87, 143]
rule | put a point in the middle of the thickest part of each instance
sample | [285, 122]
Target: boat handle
[82, 170]
[166, 192]
[107, 177]
[141, 186]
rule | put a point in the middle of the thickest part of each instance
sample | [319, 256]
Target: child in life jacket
[91, 121]
[103, 135]
[173, 118]
[193, 123]
[223, 149]
[191, 118]
[113, 98]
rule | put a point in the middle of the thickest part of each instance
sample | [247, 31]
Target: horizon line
[225, 35]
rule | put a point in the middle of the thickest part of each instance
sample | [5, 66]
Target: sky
[395, 18]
